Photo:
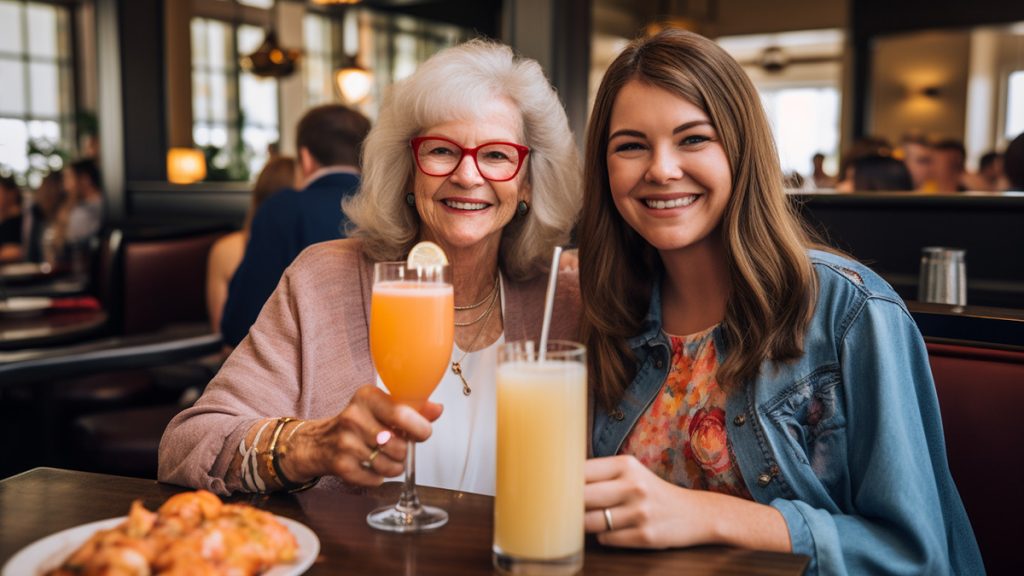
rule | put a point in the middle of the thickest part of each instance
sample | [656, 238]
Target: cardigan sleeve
[306, 355]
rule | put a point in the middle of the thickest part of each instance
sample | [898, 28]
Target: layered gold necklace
[492, 298]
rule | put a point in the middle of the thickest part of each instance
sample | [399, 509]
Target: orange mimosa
[411, 330]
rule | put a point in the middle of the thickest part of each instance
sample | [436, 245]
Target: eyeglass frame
[414, 144]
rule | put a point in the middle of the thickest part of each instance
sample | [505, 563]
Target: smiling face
[463, 210]
[667, 169]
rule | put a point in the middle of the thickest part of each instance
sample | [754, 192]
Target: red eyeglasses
[496, 161]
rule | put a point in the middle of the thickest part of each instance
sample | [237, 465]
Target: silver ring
[608, 519]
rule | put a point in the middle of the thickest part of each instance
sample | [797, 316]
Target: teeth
[465, 205]
[665, 204]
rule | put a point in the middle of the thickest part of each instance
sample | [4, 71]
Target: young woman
[749, 389]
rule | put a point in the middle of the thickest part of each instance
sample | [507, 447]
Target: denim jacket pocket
[810, 416]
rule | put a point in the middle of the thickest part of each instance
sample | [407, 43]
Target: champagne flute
[412, 327]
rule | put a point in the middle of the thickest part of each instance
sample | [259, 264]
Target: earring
[410, 199]
[522, 208]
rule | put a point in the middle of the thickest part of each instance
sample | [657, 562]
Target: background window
[391, 45]
[798, 75]
[321, 56]
[36, 105]
[234, 113]
[805, 121]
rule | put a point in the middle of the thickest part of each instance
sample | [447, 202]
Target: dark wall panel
[142, 69]
[888, 231]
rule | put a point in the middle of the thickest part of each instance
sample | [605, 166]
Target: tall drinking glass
[542, 446]
[412, 325]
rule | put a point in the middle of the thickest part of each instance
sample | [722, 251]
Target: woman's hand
[648, 512]
[339, 446]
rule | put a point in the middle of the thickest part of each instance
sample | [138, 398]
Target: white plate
[48, 553]
[27, 305]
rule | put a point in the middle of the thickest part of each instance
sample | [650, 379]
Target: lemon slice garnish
[426, 255]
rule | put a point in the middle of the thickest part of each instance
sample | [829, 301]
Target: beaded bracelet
[274, 466]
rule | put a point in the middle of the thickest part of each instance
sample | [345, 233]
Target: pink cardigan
[309, 352]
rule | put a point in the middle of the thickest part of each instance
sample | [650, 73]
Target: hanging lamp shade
[270, 60]
[354, 82]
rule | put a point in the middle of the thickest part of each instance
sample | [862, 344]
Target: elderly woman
[304, 376]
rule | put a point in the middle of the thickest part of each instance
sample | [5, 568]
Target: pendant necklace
[457, 365]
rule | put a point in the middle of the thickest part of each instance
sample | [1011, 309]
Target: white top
[460, 453]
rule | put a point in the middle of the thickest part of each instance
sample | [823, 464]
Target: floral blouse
[682, 436]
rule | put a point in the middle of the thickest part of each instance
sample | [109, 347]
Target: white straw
[549, 301]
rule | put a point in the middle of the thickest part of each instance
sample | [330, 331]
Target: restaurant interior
[179, 104]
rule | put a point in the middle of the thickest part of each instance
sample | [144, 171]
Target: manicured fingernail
[383, 437]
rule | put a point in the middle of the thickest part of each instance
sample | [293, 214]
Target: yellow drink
[538, 506]
[411, 331]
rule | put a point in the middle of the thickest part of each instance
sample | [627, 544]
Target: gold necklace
[457, 365]
[492, 296]
[482, 302]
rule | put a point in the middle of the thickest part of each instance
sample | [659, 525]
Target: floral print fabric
[682, 437]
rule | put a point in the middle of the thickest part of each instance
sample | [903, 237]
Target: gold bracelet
[271, 453]
[274, 455]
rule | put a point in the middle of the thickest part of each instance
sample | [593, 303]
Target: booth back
[165, 281]
[980, 394]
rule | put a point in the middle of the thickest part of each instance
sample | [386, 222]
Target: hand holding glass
[412, 326]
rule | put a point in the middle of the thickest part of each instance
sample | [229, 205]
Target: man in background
[328, 139]
[919, 156]
[950, 157]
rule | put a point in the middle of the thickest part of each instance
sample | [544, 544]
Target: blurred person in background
[41, 220]
[919, 156]
[82, 213]
[949, 166]
[822, 180]
[328, 139]
[990, 176]
[865, 146]
[878, 173]
[10, 221]
[279, 173]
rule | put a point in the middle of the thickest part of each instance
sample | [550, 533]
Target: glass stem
[409, 503]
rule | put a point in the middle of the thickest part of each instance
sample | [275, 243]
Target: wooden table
[43, 501]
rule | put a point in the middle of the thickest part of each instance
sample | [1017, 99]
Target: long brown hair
[773, 282]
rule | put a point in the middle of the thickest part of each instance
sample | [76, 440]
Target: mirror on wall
[965, 85]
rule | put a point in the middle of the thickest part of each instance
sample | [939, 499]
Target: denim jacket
[845, 441]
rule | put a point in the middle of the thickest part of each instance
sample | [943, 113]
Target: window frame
[68, 111]
[233, 15]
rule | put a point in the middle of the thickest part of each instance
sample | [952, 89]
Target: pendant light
[354, 81]
[270, 60]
